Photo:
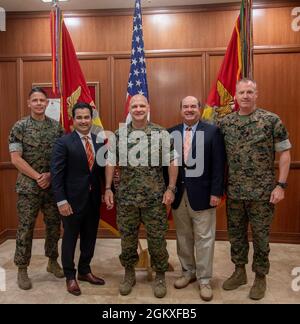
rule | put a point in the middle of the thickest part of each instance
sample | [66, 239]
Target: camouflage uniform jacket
[251, 144]
[34, 140]
[140, 185]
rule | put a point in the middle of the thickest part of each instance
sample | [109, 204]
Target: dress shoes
[73, 288]
[89, 277]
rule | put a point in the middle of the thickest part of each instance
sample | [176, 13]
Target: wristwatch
[283, 185]
[173, 189]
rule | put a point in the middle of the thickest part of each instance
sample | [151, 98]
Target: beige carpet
[47, 289]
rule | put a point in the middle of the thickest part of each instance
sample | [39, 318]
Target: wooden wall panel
[278, 77]
[3, 225]
[287, 212]
[272, 26]
[105, 33]
[8, 196]
[25, 36]
[120, 79]
[8, 116]
[221, 218]
[98, 71]
[188, 30]
[8, 111]
[161, 31]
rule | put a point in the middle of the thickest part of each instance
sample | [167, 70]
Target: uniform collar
[253, 117]
[35, 123]
[131, 128]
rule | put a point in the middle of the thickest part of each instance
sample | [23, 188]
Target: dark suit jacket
[71, 177]
[211, 182]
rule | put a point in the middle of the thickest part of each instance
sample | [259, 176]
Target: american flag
[137, 82]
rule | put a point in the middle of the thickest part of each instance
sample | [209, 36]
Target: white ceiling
[38, 5]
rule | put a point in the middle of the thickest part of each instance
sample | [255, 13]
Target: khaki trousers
[195, 231]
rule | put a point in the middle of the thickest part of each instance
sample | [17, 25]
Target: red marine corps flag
[237, 64]
[68, 81]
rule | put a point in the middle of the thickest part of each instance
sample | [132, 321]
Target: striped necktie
[187, 143]
[89, 152]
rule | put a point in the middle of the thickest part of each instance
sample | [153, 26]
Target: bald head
[139, 109]
[138, 97]
[190, 99]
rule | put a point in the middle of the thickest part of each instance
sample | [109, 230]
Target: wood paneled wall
[184, 52]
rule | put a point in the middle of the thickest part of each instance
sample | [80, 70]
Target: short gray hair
[246, 80]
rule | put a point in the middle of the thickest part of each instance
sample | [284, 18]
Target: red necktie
[89, 152]
[187, 143]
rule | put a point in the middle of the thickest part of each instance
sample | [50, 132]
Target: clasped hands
[44, 180]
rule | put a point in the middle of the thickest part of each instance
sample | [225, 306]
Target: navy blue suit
[211, 182]
[73, 181]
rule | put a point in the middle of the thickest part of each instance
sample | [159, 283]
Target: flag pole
[251, 72]
[247, 38]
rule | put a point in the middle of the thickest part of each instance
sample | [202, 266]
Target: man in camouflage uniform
[141, 195]
[30, 145]
[252, 136]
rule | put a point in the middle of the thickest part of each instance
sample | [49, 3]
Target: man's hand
[44, 180]
[277, 195]
[109, 199]
[65, 210]
[168, 197]
[214, 201]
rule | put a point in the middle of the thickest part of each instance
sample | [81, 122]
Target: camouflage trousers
[28, 207]
[155, 221]
[260, 215]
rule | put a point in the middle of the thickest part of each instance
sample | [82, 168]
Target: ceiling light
[72, 21]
